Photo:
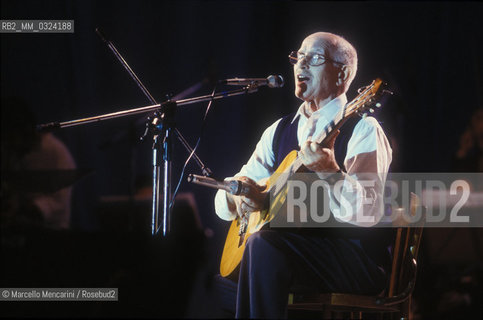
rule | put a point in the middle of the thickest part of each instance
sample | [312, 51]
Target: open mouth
[302, 78]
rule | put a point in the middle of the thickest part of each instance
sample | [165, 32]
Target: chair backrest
[405, 252]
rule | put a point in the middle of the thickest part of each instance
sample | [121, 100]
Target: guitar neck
[331, 128]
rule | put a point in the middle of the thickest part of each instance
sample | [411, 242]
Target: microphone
[235, 187]
[271, 81]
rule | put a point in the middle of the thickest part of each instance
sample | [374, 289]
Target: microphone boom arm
[145, 109]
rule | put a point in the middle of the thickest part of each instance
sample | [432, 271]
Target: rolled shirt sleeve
[358, 198]
[259, 166]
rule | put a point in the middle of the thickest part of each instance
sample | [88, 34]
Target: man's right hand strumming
[243, 205]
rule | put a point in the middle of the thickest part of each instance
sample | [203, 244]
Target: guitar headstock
[367, 98]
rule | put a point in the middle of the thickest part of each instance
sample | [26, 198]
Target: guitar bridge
[242, 228]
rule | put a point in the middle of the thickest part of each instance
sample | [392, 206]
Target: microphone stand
[167, 124]
[162, 126]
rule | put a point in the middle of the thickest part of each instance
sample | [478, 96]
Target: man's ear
[343, 75]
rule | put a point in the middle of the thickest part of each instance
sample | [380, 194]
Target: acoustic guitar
[242, 227]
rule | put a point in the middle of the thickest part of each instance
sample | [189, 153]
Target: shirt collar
[328, 111]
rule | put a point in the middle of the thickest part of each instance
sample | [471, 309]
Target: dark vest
[377, 242]
[285, 139]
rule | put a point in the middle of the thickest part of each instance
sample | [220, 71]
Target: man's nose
[302, 62]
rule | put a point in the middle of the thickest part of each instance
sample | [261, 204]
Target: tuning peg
[387, 91]
[371, 110]
[378, 105]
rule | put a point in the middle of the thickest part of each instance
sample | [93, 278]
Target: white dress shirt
[368, 155]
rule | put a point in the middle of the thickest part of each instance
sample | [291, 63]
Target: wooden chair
[397, 297]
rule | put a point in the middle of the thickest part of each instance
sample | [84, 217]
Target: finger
[305, 149]
[257, 187]
[243, 206]
[247, 180]
[314, 147]
[248, 203]
[239, 207]
[261, 187]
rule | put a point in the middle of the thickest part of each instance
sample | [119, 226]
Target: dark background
[430, 53]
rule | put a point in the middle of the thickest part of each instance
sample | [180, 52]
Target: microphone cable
[203, 124]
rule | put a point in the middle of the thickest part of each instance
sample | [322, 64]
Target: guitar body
[235, 242]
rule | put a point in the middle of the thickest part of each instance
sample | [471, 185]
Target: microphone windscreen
[275, 81]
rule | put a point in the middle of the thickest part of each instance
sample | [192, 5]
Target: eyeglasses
[312, 59]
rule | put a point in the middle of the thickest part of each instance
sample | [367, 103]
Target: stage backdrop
[429, 53]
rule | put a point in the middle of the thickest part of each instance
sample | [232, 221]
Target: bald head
[339, 50]
[325, 65]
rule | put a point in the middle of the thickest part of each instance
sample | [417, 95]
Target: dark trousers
[278, 262]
